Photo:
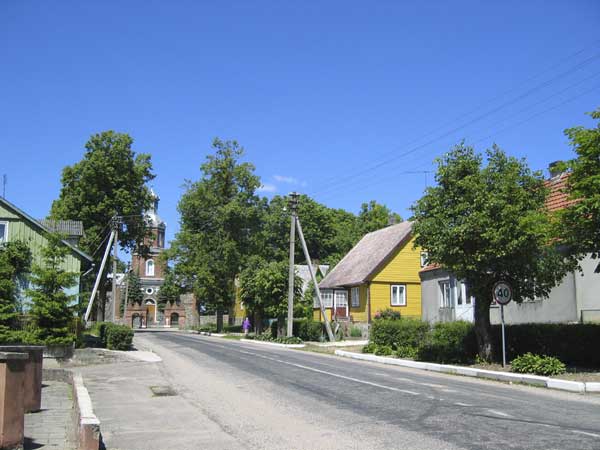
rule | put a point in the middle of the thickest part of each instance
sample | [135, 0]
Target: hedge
[396, 333]
[449, 342]
[118, 337]
[113, 336]
[455, 342]
[573, 344]
[307, 330]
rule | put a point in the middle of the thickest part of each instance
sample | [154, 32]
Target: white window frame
[4, 236]
[341, 298]
[446, 301]
[424, 259]
[150, 268]
[355, 297]
[326, 296]
[402, 299]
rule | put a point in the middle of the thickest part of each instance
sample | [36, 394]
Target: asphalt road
[266, 397]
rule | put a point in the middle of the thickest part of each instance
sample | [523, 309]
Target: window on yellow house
[326, 296]
[398, 295]
[355, 297]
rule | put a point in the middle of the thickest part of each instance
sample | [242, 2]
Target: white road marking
[432, 385]
[343, 377]
[586, 433]
[462, 404]
[499, 413]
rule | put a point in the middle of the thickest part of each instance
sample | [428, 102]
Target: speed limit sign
[502, 292]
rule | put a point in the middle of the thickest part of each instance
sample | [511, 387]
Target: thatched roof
[367, 257]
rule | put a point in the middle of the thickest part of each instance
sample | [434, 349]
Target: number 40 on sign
[502, 293]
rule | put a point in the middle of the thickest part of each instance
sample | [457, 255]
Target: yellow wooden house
[380, 272]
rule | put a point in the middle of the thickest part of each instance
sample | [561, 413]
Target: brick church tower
[151, 272]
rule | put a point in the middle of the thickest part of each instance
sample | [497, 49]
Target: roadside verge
[533, 380]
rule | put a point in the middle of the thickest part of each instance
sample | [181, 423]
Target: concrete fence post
[12, 412]
[33, 374]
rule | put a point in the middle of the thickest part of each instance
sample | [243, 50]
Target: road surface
[259, 397]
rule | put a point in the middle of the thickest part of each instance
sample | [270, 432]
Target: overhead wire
[395, 174]
[461, 126]
[349, 178]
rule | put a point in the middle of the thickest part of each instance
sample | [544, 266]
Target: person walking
[246, 326]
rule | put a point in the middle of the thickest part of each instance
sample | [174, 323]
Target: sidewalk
[51, 428]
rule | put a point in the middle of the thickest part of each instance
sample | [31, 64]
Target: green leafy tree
[15, 261]
[170, 290]
[581, 221]
[220, 216]
[374, 216]
[109, 180]
[264, 291]
[487, 224]
[134, 289]
[51, 309]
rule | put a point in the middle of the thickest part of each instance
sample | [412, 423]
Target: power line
[361, 173]
[463, 125]
[568, 100]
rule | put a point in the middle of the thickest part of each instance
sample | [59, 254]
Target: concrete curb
[273, 344]
[88, 425]
[340, 344]
[533, 380]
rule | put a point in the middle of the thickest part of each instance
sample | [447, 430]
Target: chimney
[555, 168]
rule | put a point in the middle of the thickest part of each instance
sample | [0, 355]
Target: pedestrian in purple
[246, 325]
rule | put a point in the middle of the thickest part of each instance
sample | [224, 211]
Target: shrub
[387, 314]
[355, 332]
[309, 330]
[99, 330]
[406, 351]
[232, 328]
[384, 350]
[264, 336]
[288, 340]
[396, 333]
[449, 342]
[118, 337]
[538, 365]
[207, 328]
[369, 348]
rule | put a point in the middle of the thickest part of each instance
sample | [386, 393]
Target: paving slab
[51, 428]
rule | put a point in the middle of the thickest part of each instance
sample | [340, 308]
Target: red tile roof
[430, 267]
[558, 198]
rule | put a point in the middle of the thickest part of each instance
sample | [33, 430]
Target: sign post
[502, 295]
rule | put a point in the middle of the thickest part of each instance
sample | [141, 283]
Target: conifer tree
[15, 260]
[51, 309]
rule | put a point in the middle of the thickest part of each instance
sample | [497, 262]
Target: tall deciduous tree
[109, 180]
[51, 306]
[15, 260]
[487, 224]
[264, 291]
[581, 220]
[374, 216]
[220, 216]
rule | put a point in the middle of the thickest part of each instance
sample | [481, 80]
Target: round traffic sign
[502, 292]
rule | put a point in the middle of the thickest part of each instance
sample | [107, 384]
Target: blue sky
[346, 101]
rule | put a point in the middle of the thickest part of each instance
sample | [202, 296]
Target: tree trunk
[219, 320]
[257, 322]
[483, 327]
[281, 327]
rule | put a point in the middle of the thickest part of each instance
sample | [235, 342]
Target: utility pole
[314, 280]
[116, 224]
[126, 295]
[98, 276]
[4, 186]
[293, 204]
